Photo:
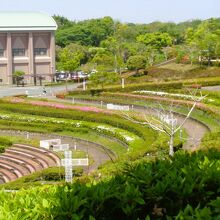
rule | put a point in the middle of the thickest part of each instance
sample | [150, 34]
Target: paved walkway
[211, 88]
[34, 90]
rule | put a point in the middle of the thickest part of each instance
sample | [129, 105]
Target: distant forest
[106, 44]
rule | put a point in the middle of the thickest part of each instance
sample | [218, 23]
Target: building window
[1, 52]
[40, 51]
[18, 52]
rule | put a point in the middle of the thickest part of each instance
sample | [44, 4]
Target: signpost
[118, 107]
[68, 163]
[47, 143]
[61, 147]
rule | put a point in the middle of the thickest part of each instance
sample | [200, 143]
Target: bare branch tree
[164, 120]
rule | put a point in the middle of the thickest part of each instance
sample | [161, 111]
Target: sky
[135, 11]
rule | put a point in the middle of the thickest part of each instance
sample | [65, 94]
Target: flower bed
[166, 94]
[117, 133]
[55, 105]
[104, 117]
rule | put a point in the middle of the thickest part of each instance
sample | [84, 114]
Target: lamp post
[66, 75]
[84, 84]
[52, 74]
[122, 83]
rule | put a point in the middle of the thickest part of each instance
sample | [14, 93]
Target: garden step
[52, 155]
[24, 170]
[44, 157]
[2, 181]
[22, 163]
[41, 162]
[33, 163]
[11, 176]
[11, 169]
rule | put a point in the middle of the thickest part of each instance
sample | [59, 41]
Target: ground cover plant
[4, 143]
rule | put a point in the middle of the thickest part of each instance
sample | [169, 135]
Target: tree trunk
[171, 151]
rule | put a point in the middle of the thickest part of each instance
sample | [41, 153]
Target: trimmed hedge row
[166, 86]
[114, 120]
[160, 86]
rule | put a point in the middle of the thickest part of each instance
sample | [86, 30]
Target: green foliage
[103, 78]
[155, 40]
[19, 73]
[43, 125]
[211, 139]
[206, 38]
[19, 76]
[89, 32]
[136, 62]
[120, 41]
[68, 61]
[183, 187]
[4, 143]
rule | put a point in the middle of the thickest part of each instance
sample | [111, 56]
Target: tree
[163, 120]
[136, 63]
[103, 78]
[68, 61]
[88, 33]
[205, 38]
[155, 40]
[217, 50]
[19, 76]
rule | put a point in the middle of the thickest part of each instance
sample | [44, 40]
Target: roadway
[34, 90]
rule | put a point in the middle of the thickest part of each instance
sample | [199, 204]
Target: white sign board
[68, 163]
[118, 107]
[80, 162]
[47, 143]
[61, 147]
[75, 162]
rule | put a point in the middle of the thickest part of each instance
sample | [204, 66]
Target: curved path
[211, 88]
[194, 129]
[98, 153]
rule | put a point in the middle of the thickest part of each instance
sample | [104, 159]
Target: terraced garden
[137, 179]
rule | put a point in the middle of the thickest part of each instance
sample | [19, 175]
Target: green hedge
[114, 120]
[156, 86]
[166, 86]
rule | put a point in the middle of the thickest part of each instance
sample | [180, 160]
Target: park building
[27, 44]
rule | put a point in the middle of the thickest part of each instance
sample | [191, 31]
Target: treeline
[106, 44]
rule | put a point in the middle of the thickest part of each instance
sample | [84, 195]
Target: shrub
[61, 95]
[186, 186]
[4, 143]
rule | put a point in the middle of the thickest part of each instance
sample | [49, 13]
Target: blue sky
[136, 11]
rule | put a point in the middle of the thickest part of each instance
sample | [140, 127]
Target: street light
[122, 83]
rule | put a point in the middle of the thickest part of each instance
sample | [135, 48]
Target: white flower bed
[188, 97]
[126, 135]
